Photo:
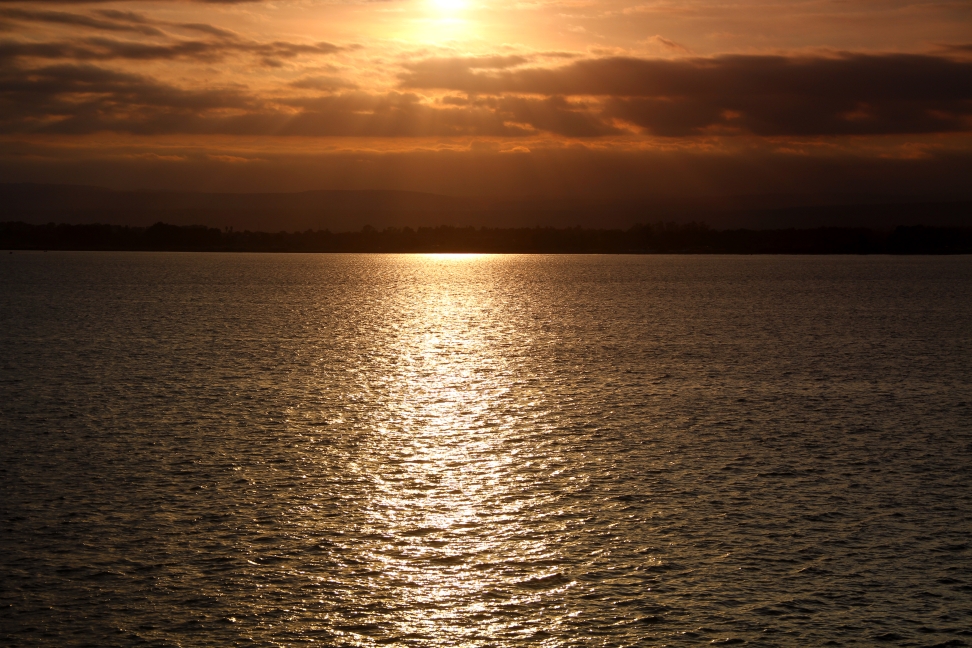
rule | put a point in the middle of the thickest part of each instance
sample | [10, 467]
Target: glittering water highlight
[452, 450]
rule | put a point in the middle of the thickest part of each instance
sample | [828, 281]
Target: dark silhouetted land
[659, 238]
[351, 210]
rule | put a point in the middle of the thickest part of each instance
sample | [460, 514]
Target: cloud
[112, 20]
[89, 2]
[140, 19]
[667, 44]
[84, 99]
[492, 62]
[160, 45]
[850, 94]
[324, 83]
[80, 99]
[505, 96]
[555, 115]
[568, 172]
[104, 49]
[79, 20]
[74, 99]
[390, 114]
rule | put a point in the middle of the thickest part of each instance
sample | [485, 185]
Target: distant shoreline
[658, 238]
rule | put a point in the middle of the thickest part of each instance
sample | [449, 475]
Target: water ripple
[485, 450]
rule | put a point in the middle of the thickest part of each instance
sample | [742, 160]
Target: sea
[221, 449]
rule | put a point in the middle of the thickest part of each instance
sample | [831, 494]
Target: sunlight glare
[444, 505]
[455, 256]
[449, 5]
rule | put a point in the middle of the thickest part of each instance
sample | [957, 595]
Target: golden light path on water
[447, 506]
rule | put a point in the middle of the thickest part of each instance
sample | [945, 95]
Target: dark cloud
[668, 44]
[75, 99]
[125, 16]
[207, 29]
[965, 48]
[162, 46]
[555, 115]
[103, 49]
[90, 2]
[75, 96]
[324, 83]
[763, 95]
[79, 20]
[564, 172]
[404, 115]
[392, 115]
[111, 20]
[81, 99]
[140, 19]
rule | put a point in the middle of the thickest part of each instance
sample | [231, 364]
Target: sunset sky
[465, 97]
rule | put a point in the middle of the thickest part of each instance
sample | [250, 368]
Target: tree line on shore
[657, 238]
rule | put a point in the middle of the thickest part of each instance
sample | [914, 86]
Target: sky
[615, 98]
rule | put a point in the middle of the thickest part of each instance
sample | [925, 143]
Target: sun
[440, 21]
[448, 5]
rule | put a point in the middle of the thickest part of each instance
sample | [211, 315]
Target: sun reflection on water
[455, 256]
[446, 507]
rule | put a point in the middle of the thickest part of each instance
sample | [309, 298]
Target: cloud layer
[82, 77]
[95, 71]
[752, 95]
[849, 94]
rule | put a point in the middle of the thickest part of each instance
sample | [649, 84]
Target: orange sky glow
[618, 97]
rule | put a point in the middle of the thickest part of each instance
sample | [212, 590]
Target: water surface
[277, 450]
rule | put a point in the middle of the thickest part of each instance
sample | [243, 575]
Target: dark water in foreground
[484, 451]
